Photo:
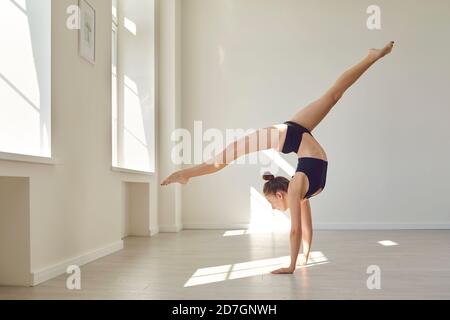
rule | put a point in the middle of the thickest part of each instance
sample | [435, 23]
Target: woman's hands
[289, 270]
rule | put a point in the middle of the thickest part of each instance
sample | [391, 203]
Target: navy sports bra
[294, 136]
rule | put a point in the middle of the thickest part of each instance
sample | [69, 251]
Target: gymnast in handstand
[294, 136]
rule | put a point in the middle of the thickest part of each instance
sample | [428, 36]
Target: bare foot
[176, 177]
[380, 53]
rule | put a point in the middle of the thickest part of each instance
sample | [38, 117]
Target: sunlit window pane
[25, 71]
[134, 86]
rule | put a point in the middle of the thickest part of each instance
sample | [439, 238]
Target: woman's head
[275, 191]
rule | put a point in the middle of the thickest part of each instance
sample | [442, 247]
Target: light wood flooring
[208, 265]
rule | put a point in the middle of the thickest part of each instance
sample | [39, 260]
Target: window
[133, 88]
[25, 77]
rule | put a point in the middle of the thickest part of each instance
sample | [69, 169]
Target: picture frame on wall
[86, 34]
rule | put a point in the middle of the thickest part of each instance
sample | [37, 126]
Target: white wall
[15, 231]
[138, 209]
[248, 64]
[169, 111]
[76, 206]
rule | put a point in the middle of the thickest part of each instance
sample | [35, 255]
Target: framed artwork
[86, 34]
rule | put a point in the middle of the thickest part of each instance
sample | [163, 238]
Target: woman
[292, 136]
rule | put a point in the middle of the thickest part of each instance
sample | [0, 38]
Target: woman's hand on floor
[284, 271]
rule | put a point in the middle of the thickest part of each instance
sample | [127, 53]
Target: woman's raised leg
[262, 139]
[312, 115]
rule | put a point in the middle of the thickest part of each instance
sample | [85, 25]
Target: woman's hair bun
[268, 176]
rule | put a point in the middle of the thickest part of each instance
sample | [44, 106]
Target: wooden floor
[208, 265]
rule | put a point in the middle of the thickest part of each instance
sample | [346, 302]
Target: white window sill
[123, 170]
[27, 159]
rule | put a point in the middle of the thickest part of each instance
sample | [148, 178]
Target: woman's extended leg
[312, 115]
[262, 139]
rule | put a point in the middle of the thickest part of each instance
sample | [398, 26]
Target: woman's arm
[262, 139]
[307, 230]
[294, 198]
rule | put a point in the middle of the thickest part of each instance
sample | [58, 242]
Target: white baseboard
[154, 231]
[211, 226]
[382, 226]
[330, 226]
[56, 270]
[170, 229]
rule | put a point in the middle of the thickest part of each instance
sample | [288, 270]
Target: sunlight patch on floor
[232, 233]
[388, 243]
[248, 269]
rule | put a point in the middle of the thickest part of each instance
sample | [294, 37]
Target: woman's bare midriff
[309, 148]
